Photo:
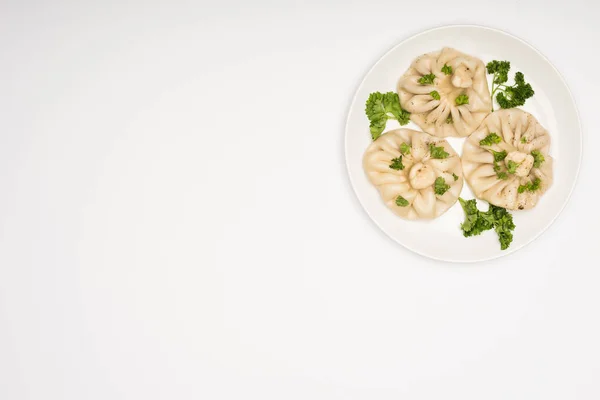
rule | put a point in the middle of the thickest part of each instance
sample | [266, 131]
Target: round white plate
[552, 105]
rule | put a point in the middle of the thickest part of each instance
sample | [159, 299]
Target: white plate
[552, 105]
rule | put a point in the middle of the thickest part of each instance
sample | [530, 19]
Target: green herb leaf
[383, 106]
[538, 158]
[397, 164]
[477, 222]
[435, 94]
[455, 176]
[499, 69]
[404, 149]
[512, 166]
[427, 79]
[462, 99]
[440, 187]
[449, 120]
[523, 139]
[498, 155]
[531, 186]
[499, 172]
[446, 69]
[437, 152]
[401, 201]
[508, 96]
[490, 139]
[503, 225]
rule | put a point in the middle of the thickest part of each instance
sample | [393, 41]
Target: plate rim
[578, 167]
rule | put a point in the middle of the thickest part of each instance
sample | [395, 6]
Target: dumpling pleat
[424, 203]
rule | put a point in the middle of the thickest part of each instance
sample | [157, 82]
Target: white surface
[552, 105]
[177, 222]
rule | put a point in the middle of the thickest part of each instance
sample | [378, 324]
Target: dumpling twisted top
[506, 160]
[446, 93]
[418, 175]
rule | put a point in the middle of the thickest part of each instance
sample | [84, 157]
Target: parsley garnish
[381, 107]
[427, 79]
[404, 149]
[401, 201]
[495, 217]
[512, 166]
[437, 151]
[435, 94]
[490, 139]
[462, 99]
[538, 158]
[440, 187]
[508, 96]
[446, 69]
[531, 186]
[397, 164]
[503, 225]
[476, 221]
[498, 155]
[498, 170]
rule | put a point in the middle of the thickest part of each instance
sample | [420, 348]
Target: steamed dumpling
[517, 170]
[437, 85]
[418, 175]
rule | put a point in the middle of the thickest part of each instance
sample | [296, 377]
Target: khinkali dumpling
[446, 93]
[506, 160]
[418, 175]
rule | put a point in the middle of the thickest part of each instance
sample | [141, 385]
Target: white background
[176, 220]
